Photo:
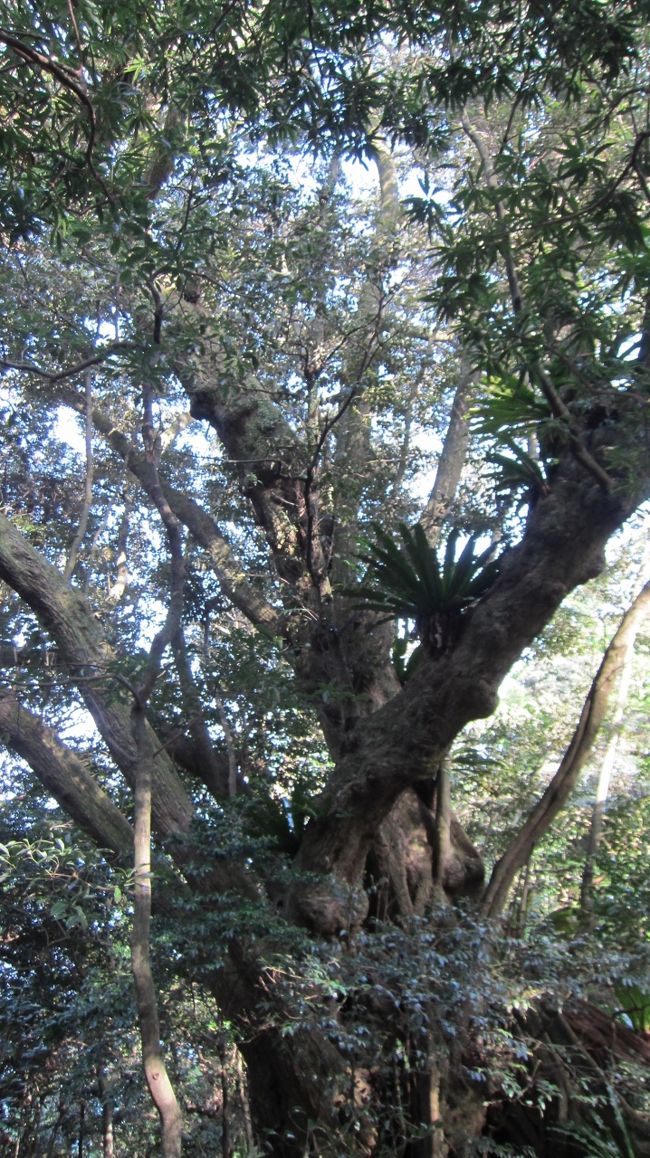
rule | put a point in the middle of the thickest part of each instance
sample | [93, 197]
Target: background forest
[324, 581]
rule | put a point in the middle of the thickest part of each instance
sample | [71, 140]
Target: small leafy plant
[408, 581]
[518, 470]
[509, 404]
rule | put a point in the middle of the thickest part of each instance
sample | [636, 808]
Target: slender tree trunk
[160, 1086]
[452, 459]
[82, 1125]
[543, 814]
[226, 1149]
[157, 1078]
[604, 777]
[443, 845]
[53, 1133]
[242, 1093]
[520, 910]
[107, 1115]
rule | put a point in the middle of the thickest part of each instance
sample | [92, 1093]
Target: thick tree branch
[118, 587]
[260, 444]
[199, 755]
[66, 77]
[54, 376]
[227, 570]
[92, 665]
[65, 776]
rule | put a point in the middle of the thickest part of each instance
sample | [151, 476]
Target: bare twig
[73, 21]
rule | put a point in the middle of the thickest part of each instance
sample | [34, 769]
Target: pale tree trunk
[157, 1078]
[545, 811]
[54, 1131]
[443, 844]
[160, 1086]
[82, 1129]
[107, 1130]
[452, 459]
[605, 773]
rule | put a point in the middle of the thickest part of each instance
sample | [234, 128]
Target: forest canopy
[324, 372]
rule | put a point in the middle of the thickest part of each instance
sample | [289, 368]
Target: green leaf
[406, 582]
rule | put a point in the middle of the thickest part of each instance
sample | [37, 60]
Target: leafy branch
[6, 364]
[65, 76]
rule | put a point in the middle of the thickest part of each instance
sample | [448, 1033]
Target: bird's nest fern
[407, 580]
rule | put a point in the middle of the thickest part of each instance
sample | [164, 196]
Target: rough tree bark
[385, 748]
[65, 776]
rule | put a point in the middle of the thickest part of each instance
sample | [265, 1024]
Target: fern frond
[517, 469]
[509, 404]
[424, 562]
[406, 581]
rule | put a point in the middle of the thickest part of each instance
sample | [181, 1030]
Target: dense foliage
[325, 353]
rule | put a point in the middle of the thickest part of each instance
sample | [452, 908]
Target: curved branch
[397, 746]
[543, 814]
[197, 754]
[53, 376]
